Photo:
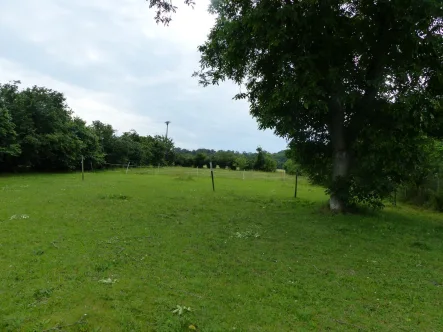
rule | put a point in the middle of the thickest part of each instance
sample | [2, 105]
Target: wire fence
[428, 192]
[279, 175]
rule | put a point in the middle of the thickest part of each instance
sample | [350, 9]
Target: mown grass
[119, 252]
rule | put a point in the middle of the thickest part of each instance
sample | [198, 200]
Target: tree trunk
[340, 171]
[340, 167]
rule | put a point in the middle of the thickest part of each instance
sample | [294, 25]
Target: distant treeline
[39, 132]
[260, 160]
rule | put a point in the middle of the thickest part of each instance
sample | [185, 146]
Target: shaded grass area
[120, 252]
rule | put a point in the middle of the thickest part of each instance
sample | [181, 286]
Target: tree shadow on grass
[419, 226]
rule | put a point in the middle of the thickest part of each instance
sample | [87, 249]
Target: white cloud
[87, 104]
[115, 64]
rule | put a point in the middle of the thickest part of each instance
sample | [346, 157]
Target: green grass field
[119, 252]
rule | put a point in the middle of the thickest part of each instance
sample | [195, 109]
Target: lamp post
[167, 127]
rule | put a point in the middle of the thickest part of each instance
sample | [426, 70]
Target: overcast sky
[116, 65]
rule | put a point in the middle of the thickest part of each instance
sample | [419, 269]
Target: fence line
[202, 172]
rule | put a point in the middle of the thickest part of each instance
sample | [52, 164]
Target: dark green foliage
[229, 159]
[240, 162]
[264, 161]
[437, 201]
[356, 86]
[106, 138]
[45, 131]
[184, 159]
[90, 143]
[8, 136]
[270, 164]
[201, 160]
[38, 132]
[260, 161]
[250, 161]
[280, 157]
[290, 167]
[423, 188]
[224, 159]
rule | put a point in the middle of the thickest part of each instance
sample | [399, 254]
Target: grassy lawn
[119, 252]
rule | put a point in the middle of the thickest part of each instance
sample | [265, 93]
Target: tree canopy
[355, 85]
[39, 132]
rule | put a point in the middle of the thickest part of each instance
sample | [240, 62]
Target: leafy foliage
[355, 94]
[8, 136]
[38, 132]
[240, 162]
[228, 159]
[424, 186]
[260, 161]
[45, 130]
[201, 160]
[290, 167]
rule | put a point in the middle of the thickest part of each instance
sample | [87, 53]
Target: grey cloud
[116, 65]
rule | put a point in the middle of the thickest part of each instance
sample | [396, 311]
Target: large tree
[356, 85]
[39, 132]
[90, 148]
[44, 129]
[107, 140]
[260, 161]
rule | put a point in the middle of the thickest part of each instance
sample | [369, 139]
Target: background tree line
[39, 132]
[259, 160]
